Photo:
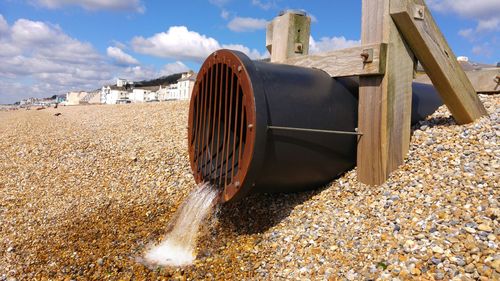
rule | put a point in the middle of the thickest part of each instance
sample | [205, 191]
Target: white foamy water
[178, 246]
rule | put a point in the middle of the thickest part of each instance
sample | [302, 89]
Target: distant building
[173, 92]
[73, 98]
[117, 95]
[144, 94]
[83, 97]
[138, 95]
[186, 85]
[123, 83]
[162, 93]
[179, 91]
[61, 98]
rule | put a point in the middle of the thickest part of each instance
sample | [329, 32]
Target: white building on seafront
[120, 82]
[83, 97]
[114, 94]
[144, 94]
[179, 91]
[186, 85]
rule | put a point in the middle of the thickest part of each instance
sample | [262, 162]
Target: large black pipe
[286, 97]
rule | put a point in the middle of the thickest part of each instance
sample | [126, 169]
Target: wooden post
[288, 36]
[420, 31]
[384, 101]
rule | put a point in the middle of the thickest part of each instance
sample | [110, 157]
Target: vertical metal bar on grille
[242, 127]
[209, 123]
[198, 121]
[223, 93]
[228, 125]
[235, 135]
[200, 125]
[216, 93]
[203, 137]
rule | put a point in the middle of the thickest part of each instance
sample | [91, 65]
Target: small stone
[470, 268]
[351, 275]
[10, 249]
[435, 260]
[415, 271]
[100, 261]
[439, 275]
[496, 265]
[409, 246]
[484, 227]
[470, 229]
[458, 261]
[420, 236]
[404, 274]
[437, 249]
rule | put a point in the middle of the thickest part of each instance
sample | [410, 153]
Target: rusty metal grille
[218, 126]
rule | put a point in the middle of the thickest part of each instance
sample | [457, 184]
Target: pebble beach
[84, 193]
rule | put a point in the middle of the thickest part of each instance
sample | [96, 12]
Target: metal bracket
[314, 130]
[418, 12]
[367, 55]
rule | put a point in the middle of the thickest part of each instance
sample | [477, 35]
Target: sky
[50, 47]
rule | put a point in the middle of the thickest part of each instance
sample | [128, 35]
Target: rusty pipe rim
[220, 149]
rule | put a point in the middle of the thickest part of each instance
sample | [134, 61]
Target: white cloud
[314, 19]
[485, 12]
[240, 24]
[330, 43]
[4, 26]
[182, 44]
[225, 14]
[178, 42]
[478, 9]
[489, 24]
[137, 73]
[265, 5]
[484, 49]
[466, 33]
[252, 53]
[120, 56]
[175, 67]
[116, 5]
[40, 60]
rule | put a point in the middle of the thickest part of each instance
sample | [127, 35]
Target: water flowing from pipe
[178, 246]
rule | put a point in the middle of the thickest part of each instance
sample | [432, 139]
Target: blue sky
[53, 46]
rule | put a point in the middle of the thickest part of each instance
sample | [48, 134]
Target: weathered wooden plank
[288, 36]
[483, 81]
[346, 62]
[384, 101]
[420, 31]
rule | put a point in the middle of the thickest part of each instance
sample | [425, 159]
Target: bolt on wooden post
[287, 35]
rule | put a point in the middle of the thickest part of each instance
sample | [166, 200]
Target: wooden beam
[483, 80]
[384, 101]
[420, 31]
[288, 36]
[347, 62]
